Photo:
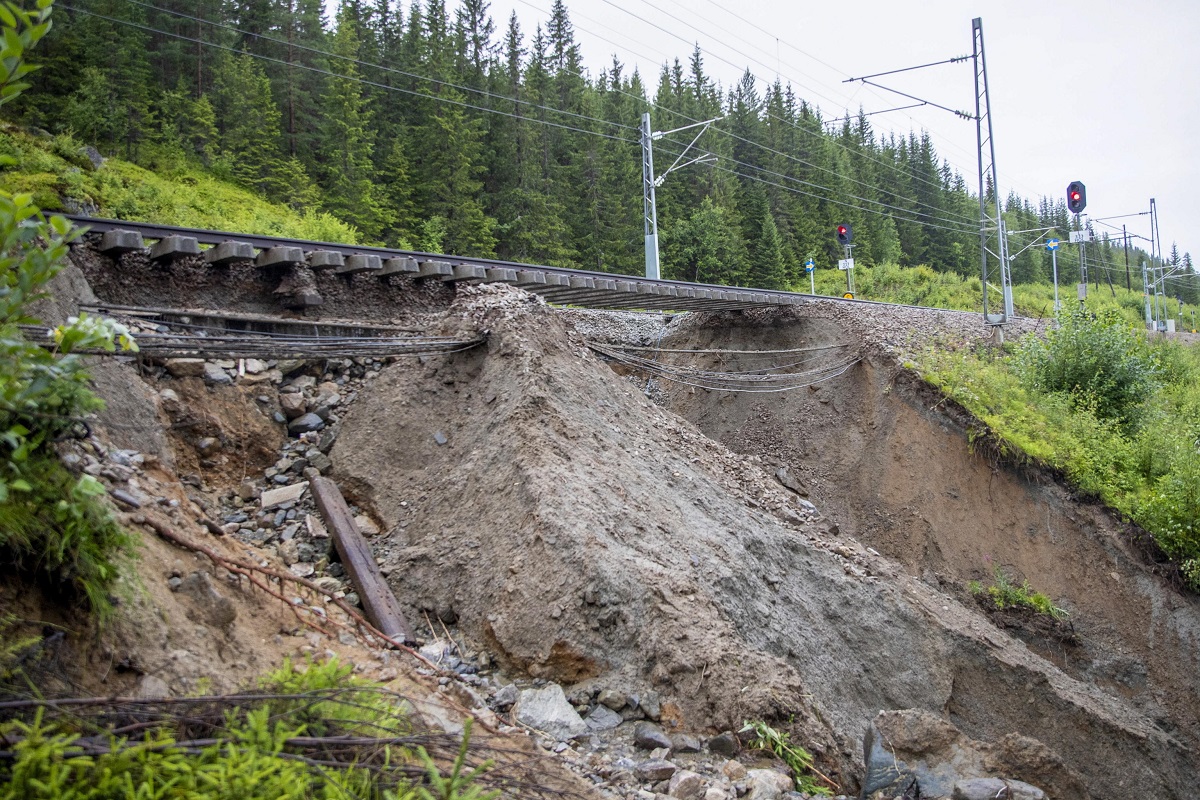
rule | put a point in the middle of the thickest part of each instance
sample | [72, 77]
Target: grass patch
[1003, 594]
[54, 172]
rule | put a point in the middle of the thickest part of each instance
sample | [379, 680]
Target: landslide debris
[584, 535]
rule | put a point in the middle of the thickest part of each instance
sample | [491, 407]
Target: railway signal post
[845, 237]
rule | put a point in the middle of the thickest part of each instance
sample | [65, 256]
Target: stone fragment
[284, 494]
[991, 788]
[125, 498]
[315, 527]
[767, 784]
[293, 405]
[789, 481]
[289, 552]
[306, 423]
[546, 709]
[654, 770]
[185, 368]
[686, 785]
[734, 770]
[320, 462]
[685, 743]
[247, 490]
[440, 437]
[366, 525]
[725, 744]
[254, 366]
[152, 687]
[215, 375]
[302, 569]
[506, 696]
[603, 718]
[207, 446]
[613, 699]
[649, 736]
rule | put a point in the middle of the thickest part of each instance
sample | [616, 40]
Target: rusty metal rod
[381, 606]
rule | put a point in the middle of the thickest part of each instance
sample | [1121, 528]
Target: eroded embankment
[588, 536]
[889, 459]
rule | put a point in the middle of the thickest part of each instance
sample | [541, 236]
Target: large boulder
[547, 710]
[913, 748]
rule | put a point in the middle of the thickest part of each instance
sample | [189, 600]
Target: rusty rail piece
[380, 605]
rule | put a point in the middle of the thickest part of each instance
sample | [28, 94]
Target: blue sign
[809, 266]
[1052, 244]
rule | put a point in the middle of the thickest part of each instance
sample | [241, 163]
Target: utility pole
[1146, 295]
[1128, 280]
[987, 149]
[649, 206]
[650, 182]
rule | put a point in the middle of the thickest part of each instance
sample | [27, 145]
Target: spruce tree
[345, 165]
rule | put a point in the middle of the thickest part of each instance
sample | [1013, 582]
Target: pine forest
[434, 128]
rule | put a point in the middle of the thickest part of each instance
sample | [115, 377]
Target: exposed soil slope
[886, 457]
[586, 535]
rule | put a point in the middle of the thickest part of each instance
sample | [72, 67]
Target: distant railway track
[559, 285]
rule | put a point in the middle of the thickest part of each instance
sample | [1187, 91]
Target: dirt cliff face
[586, 535]
[885, 456]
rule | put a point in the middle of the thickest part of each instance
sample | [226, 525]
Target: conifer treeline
[430, 129]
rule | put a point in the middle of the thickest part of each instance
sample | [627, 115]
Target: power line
[959, 229]
[363, 81]
[370, 65]
[757, 78]
[129, 23]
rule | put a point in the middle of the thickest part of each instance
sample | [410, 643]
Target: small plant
[799, 760]
[1004, 594]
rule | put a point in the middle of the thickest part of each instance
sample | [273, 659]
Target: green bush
[50, 522]
[1004, 594]
[1099, 361]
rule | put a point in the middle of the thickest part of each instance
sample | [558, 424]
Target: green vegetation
[799, 760]
[54, 172]
[51, 524]
[1004, 594]
[320, 734]
[418, 124]
[1124, 430]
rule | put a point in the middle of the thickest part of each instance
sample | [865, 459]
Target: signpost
[1052, 246]
[810, 267]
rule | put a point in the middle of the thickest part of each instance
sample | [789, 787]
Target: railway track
[556, 284]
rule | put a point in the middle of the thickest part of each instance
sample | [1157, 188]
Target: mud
[587, 536]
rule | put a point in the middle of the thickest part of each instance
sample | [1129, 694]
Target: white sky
[1101, 91]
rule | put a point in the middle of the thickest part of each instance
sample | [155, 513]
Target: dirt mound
[583, 534]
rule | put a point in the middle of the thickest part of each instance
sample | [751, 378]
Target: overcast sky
[1101, 91]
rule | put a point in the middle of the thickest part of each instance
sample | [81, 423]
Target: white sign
[846, 263]
[1079, 236]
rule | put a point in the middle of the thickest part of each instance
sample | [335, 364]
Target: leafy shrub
[49, 521]
[1099, 361]
[1172, 514]
[1004, 594]
[799, 760]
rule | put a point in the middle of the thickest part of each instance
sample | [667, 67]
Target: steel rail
[629, 292]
